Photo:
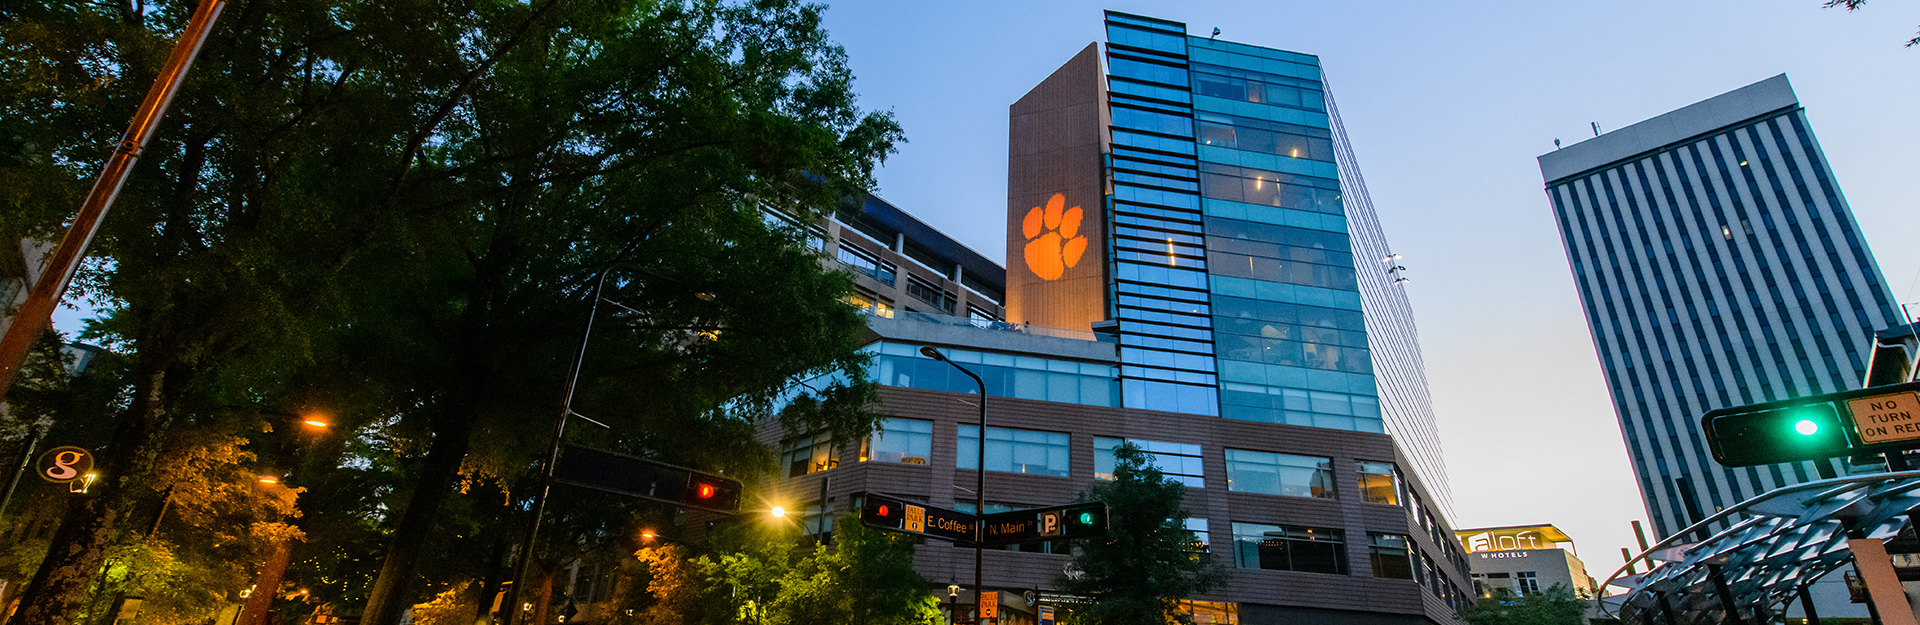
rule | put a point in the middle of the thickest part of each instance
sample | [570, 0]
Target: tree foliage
[759, 576]
[396, 215]
[1559, 605]
[1854, 5]
[1148, 562]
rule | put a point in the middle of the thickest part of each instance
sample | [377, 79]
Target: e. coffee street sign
[896, 514]
[1886, 418]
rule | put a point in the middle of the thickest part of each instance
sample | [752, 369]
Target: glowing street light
[778, 512]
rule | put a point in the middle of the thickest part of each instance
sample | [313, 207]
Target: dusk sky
[1448, 105]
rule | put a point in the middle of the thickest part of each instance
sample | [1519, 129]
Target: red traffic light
[883, 511]
[705, 491]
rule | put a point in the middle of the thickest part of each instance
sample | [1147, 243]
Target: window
[1202, 539]
[1279, 474]
[1212, 612]
[981, 317]
[1015, 451]
[816, 521]
[899, 440]
[1391, 558]
[809, 454]
[862, 261]
[1526, 583]
[1282, 548]
[871, 304]
[1006, 375]
[1177, 461]
[930, 293]
[1379, 483]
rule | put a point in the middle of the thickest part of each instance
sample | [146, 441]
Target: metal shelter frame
[1774, 546]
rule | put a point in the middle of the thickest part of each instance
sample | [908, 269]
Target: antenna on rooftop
[1556, 144]
[1216, 32]
[1596, 129]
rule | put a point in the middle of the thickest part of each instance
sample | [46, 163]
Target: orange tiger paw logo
[1050, 254]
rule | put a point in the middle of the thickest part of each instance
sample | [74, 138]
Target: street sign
[892, 513]
[646, 479]
[1046, 615]
[990, 604]
[64, 464]
[1886, 418]
[1075, 520]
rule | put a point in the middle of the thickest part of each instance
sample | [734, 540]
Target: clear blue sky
[1448, 104]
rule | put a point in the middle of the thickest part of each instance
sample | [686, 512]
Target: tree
[865, 578]
[1854, 5]
[1559, 605]
[406, 207]
[1147, 563]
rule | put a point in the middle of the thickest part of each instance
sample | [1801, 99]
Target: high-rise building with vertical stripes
[1718, 265]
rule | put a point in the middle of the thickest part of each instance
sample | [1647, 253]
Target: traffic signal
[1081, 520]
[883, 512]
[1087, 520]
[1792, 434]
[647, 479]
[713, 493]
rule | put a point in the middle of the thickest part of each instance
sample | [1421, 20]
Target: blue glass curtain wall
[1159, 258]
[1006, 375]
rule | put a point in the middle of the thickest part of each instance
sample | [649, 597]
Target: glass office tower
[1244, 272]
[1719, 265]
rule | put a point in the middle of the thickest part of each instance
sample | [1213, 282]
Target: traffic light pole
[553, 455]
[980, 487]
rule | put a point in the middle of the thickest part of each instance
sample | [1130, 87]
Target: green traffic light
[1807, 427]
[1086, 518]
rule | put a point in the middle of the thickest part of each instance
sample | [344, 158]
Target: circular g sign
[64, 464]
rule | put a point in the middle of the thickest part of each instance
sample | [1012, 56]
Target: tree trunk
[386, 601]
[267, 585]
[79, 546]
[490, 585]
[545, 597]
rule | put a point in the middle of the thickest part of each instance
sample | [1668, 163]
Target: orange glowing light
[268, 479]
[1054, 243]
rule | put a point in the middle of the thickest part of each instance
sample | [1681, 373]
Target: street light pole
[553, 455]
[980, 488]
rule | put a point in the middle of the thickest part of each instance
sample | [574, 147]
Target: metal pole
[553, 456]
[1806, 605]
[26, 460]
[36, 312]
[821, 537]
[980, 488]
[1666, 608]
[1727, 603]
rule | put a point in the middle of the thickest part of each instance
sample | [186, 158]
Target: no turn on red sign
[1886, 418]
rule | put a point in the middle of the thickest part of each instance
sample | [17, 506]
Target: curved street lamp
[980, 466]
